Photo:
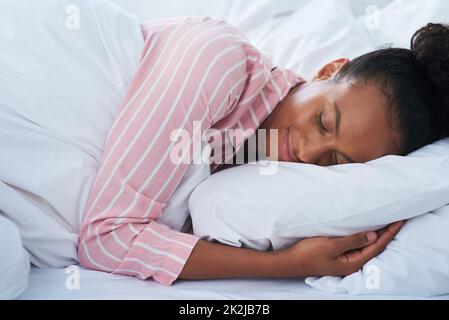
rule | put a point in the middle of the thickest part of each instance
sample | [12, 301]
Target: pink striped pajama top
[192, 69]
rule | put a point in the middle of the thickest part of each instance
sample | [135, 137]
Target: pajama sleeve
[192, 69]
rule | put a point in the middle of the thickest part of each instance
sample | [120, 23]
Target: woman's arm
[310, 257]
[192, 71]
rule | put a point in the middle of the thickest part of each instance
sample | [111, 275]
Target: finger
[376, 248]
[355, 241]
[350, 257]
[382, 231]
[394, 227]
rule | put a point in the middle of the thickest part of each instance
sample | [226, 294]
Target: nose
[314, 151]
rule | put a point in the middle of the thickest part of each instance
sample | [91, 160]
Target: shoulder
[191, 27]
[210, 36]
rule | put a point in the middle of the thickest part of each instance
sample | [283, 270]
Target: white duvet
[64, 68]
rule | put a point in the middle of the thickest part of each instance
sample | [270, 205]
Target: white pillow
[415, 263]
[65, 66]
[242, 207]
[399, 20]
[299, 34]
[243, 14]
[361, 7]
[316, 33]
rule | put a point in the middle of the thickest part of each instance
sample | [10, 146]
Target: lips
[286, 153]
[289, 148]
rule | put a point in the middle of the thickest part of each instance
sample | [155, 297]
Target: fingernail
[372, 236]
[397, 225]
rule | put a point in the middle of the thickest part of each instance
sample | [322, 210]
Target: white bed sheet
[51, 284]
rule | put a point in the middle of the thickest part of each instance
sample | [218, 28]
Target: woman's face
[326, 123]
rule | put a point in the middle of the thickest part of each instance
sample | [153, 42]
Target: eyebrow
[337, 128]
[337, 119]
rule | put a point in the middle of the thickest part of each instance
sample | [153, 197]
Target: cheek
[301, 109]
[366, 138]
[302, 116]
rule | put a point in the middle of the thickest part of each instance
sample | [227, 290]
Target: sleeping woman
[203, 71]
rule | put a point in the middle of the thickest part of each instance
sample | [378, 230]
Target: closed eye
[320, 122]
[343, 159]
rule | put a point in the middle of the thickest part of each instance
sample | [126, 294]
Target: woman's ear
[330, 69]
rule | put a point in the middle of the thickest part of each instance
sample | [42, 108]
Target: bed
[52, 284]
[355, 28]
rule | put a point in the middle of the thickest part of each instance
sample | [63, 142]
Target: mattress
[59, 284]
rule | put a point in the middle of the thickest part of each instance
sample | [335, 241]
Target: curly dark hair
[415, 82]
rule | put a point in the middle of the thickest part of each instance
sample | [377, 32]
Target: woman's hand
[310, 257]
[334, 256]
